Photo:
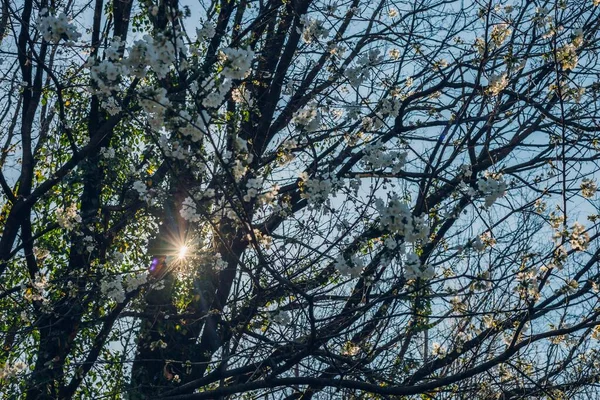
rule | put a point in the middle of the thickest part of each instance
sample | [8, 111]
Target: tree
[298, 199]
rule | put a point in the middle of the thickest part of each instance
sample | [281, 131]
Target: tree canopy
[299, 199]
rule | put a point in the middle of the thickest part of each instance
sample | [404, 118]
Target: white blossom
[106, 76]
[397, 217]
[207, 31]
[39, 288]
[140, 187]
[348, 269]
[465, 171]
[68, 218]
[390, 106]
[54, 28]
[112, 52]
[377, 157]
[414, 270]
[497, 83]
[242, 96]
[478, 244]
[112, 287]
[134, 281]
[188, 210]
[9, 370]
[281, 317]
[308, 118]
[567, 56]
[357, 75]
[317, 190]
[313, 29]
[237, 62]
[493, 187]
[500, 33]
[254, 186]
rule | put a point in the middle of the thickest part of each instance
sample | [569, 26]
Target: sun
[182, 253]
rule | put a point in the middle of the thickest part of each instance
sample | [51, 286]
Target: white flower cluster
[390, 107]
[353, 111]
[392, 244]
[357, 75]
[241, 157]
[12, 370]
[397, 217]
[39, 287]
[215, 93]
[567, 91]
[157, 53]
[478, 244]
[466, 171]
[281, 317]
[117, 257]
[132, 282]
[220, 264]
[106, 75]
[173, 148]
[242, 96]
[527, 285]
[237, 62]
[373, 123]
[158, 344]
[377, 157]
[155, 105]
[194, 130]
[207, 31]
[308, 118]
[371, 59]
[161, 53]
[88, 240]
[141, 54]
[282, 209]
[542, 17]
[353, 268]
[313, 29]
[414, 270]
[113, 51]
[567, 56]
[437, 350]
[361, 72]
[108, 153]
[53, 28]
[500, 33]
[577, 37]
[188, 210]
[113, 288]
[140, 187]
[588, 187]
[497, 83]
[285, 152]
[336, 50]
[254, 186]
[466, 189]
[316, 190]
[261, 238]
[492, 186]
[269, 196]
[238, 170]
[68, 218]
